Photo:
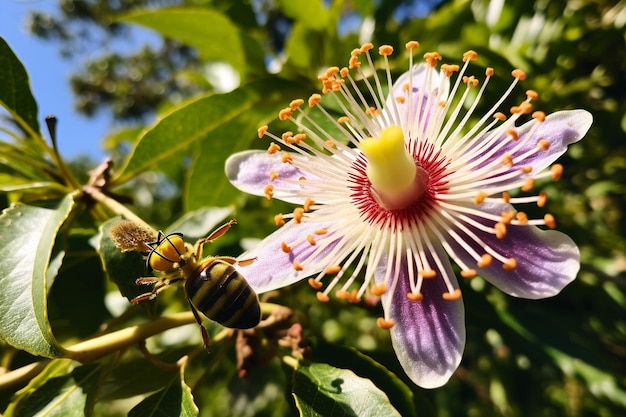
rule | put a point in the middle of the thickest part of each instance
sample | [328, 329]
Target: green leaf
[15, 94]
[311, 13]
[123, 268]
[214, 36]
[322, 390]
[62, 389]
[174, 399]
[207, 184]
[27, 237]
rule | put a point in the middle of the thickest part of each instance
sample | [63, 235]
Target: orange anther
[549, 220]
[320, 231]
[557, 171]
[379, 289]
[384, 323]
[512, 133]
[432, 58]
[332, 71]
[273, 175]
[308, 203]
[343, 119]
[469, 273]
[451, 296]
[297, 266]
[448, 69]
[285, 113]
[507, 216]
[507, 159]
[273, 148]
[343, 294]
[480, 197]
[298, 214]
[385, 50]
[314, 99]
[415, 296]
[526, 107]
[427, 273]
[485, 261]
[506, 197]
[311, 240]
[332, 269]
[527, 169]
[285, 247]
[519, 74]
[470, 56]
[528, 184]
[279, 220]
[400, 99]
[489, 72]
[344, 72]
[268, 190]
[500, 116]
[367, 47]
[521, 217]
[300, 137]
[539, 116]
[330, 144]
[510, 264]
[296, 103]
[412, 45]
[262, 131]
[543, 198]
[354, 62]
[322, 298]
[500, 229]
[532, 94]
[315, 284]
[286, 157]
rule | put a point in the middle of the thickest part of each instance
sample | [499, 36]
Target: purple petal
[249, 171]
[560, 129]
[547, 260]
[429, 335]
[272, 267]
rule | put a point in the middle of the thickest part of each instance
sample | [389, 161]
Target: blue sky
[49, 74]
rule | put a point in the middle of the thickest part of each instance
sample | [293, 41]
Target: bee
[213, 287]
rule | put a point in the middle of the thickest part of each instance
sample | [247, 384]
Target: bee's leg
[214, 235]
[159, 285]
[205, 334]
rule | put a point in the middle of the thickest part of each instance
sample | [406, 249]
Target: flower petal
[249, 171]
[272, 268]
[547, 260]
[429, 335]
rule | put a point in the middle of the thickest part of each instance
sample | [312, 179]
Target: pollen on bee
[485, 261]
[384, 323]
[415, 296]
[451, 296]
[285, 247]
[321, 297]
[315, 284]
[268, 190]
[510, 264]
[379, 289]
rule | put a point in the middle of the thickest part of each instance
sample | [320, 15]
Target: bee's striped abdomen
[222, 294]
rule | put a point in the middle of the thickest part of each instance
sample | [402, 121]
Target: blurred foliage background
[224, 67]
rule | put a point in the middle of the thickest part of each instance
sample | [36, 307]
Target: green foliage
[65, 284]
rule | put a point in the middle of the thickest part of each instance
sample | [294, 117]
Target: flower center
[396, 180]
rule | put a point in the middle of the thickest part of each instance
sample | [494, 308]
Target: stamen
[384, 323]
[315, 284]
[279, 220]
[285, 247]
[321, 297]
[379, 289]
[452, 296]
